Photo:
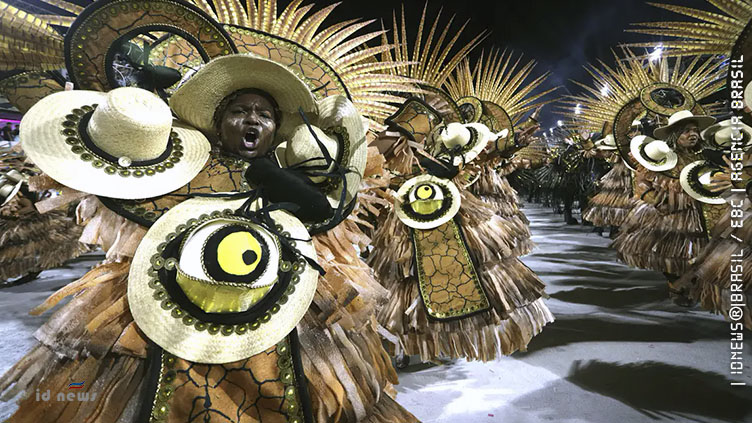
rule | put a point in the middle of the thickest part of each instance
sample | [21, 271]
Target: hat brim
[451, 189]
[635, 148]
[702, 123]
[481, 142]
[12, 193]
[339, 111]
[45, 145]
[200, 346]
[709, 134]
[685, 179]
[196, 101]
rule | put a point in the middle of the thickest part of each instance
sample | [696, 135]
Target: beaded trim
[160, 294]
[340, 132]
[77, 146]
[287, 376]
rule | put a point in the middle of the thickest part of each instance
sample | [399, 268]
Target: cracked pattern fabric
[448, 281]
[220, 174]
[259, 389]
[416, 119]
[23, 90]
[118, 18]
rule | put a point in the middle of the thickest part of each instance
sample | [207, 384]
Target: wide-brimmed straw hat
[606, 143]
[427, 201]
[119, 144]
[680, 117]
[653, 154]
[212, 286]
[467, 139]
[720, 135]
[196, 101]
[341, 130]
[695, 180]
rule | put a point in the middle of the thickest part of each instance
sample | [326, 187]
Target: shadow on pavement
[567, 331]
[661, 390]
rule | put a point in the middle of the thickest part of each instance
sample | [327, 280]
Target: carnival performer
[457, 287]
[721, 276]
[610, 205]
[347, 370]
[665, 230]
[31, 241]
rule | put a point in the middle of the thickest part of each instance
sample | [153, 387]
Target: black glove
[282, 185]
[447, 171]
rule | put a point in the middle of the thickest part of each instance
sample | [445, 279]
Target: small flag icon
[74, 385]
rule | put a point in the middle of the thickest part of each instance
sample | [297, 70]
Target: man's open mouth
[251, 139]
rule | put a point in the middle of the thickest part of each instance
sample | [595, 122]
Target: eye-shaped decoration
[426, 202]
[227, 266]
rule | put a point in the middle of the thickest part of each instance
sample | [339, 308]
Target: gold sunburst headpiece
[637, 85]
[614, 87]
[707, 32]
[501, 80]
[427, 59]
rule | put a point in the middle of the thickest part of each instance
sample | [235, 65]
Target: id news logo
[74, 393]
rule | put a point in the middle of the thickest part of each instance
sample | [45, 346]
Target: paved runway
[618, 352]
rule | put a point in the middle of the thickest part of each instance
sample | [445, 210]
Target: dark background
[562, 35]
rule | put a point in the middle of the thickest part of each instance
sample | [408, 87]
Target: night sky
[562, 35]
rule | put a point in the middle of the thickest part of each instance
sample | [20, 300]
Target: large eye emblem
[236, 254]
[427, 202]
[426, 199]
[224, 251]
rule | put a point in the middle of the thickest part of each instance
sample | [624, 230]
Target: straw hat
[196, 101]
[211, 287]
[340, 129]
[471, 138]
[606, 143]
[681, 117]
[119, 144]
[695, 180]
[748, 95]
[719, 135]
[654, 154]
[426, 202]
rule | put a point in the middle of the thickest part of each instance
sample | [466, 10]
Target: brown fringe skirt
[495, 190]
[32, 242]
[514, 291]
[662, 242]
[613, 202]
[709, 280]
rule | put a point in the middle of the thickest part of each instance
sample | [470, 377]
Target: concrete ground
[619, 351]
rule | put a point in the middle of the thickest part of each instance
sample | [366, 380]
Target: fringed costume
[337, 350]
[457, 288]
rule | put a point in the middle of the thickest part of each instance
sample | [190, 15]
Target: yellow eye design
[425, 192]
[427, 201]
[239, 253]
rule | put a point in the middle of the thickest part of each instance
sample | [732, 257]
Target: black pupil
[249, 257]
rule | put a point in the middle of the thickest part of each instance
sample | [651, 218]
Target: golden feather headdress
[501, 81]
[706, 33]
[613, 87]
